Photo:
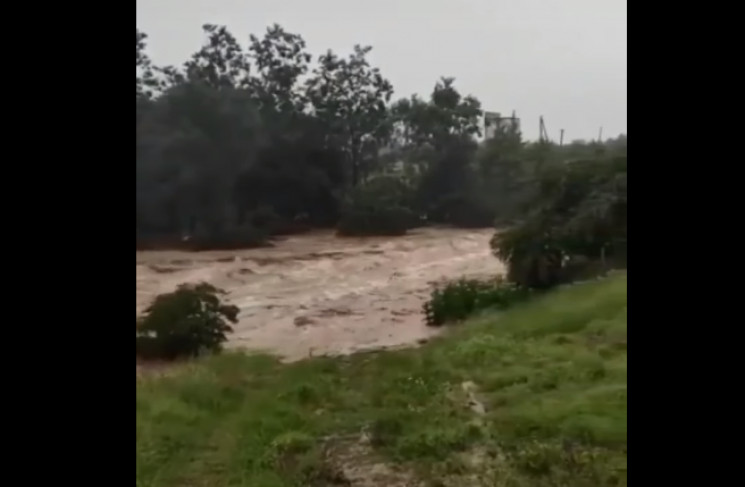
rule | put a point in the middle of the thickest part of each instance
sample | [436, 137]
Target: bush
[463, 211]
[391, 221]
[239, 237]
[533, 257]
[576, 230]
[184, 323]
[300, 223]
[580, 268]
[459, 299]
[379, 207]
[538, 261]
[383, 191]
[265, 219]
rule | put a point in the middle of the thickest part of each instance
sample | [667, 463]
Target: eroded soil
[318, 294]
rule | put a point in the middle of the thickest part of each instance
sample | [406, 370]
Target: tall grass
[530, 397]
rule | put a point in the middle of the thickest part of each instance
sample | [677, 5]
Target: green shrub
[463, 211]
[472, 214]
[391, 221]
[184, 323]
[534, 259]
[383, 191]
[238, 237]
[265, 219]
[576, 229]
[459, 299]
[579, 268]
[381, 206]
[540, 262]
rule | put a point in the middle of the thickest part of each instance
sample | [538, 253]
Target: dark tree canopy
[243, 142]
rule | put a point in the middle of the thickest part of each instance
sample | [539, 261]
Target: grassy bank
[535, 396]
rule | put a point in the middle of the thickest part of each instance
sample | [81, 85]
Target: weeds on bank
[536, 397]
[457, 300]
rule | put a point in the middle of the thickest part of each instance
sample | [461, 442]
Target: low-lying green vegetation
[185, 323]
[459, 299]
[531, 396]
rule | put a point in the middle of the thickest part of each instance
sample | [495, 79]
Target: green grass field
[535, 396]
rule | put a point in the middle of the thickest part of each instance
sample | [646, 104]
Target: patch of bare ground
[155, 368]
[317, 294]
[353, 462]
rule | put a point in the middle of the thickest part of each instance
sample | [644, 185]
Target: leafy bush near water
[239, 237]
[463, 211]
[390, 221]
[378, 207]
[184, 323]
[459, 299]
[577, 228]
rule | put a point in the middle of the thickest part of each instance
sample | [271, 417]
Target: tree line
[240, 143]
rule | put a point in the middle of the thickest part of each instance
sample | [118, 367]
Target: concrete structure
[494, 122]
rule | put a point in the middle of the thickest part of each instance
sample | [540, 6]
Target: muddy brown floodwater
[317, 294]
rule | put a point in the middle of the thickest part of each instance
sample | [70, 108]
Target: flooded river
[317, 294]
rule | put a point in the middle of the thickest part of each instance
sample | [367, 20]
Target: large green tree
[221, 63]
[192, 144]
[349, 98]
[146, 78]
[437, 137]
[280, 60]
[244, 139]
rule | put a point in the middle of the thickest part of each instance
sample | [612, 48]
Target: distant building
[494, 122]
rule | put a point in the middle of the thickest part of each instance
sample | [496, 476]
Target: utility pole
[561, 138]
[600, 135]
[542, 134]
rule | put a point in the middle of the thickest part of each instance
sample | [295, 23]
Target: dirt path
[318, 294]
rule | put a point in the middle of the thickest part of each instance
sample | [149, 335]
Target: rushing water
[319, 294]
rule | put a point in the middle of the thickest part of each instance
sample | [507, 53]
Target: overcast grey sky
[563, 59]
